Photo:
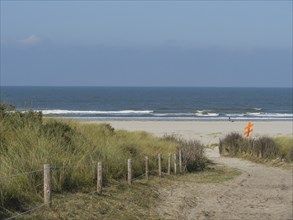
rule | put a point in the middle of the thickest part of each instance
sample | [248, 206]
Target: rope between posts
[164, 173]
[20, 174]
[56, 167]
[76, 166]
[76, 195]
[23, 213]
[40, 170]
[138, 177]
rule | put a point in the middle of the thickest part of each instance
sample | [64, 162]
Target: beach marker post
[248, 129]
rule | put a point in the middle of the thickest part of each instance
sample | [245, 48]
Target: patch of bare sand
[260, 192]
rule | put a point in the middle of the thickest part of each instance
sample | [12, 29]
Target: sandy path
[258, 193]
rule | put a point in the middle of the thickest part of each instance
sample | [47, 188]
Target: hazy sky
[147, 43]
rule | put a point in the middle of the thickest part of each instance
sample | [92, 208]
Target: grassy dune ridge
[27, 141]
[265, 148]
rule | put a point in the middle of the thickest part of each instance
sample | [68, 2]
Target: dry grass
[122, 202]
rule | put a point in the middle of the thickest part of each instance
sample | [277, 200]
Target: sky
[146, 43]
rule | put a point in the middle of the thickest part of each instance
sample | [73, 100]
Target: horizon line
[140, 86]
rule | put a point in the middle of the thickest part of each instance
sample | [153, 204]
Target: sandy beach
[208, 132]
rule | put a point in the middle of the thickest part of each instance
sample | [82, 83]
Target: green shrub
[193, 158]
[61, 133]
[231, 144]
[289, 155]
[285, 147]
[263, 147]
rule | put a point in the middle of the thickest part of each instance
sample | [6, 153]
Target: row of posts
[48, 179]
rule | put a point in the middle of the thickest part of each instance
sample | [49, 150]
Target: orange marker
[248, 129]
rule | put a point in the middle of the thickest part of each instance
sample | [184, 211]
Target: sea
[153, 103]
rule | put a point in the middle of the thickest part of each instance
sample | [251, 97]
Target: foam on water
[154, 103]
[64, 112]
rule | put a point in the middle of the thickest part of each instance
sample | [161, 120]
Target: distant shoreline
[142, 119]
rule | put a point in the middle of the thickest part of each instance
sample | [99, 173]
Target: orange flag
[248, 129]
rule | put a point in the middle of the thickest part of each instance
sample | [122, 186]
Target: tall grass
[27, 141]
[263, 147]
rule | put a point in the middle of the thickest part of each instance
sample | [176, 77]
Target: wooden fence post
[169, 163]
[180, 161]
[99, 178]
[47, 185]
[175, 164]
[160, 164]
[147, 167]
[129, 177]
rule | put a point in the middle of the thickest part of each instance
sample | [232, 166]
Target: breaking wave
[153, 115]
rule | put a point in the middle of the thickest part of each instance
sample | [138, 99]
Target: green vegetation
[192, 153]
[263, 147]
[285, 147]
[118, 201]
[212, 174]
[121, 202]
[27, 141]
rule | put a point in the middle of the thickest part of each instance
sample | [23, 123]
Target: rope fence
[99, 174]
[26, 212]
[20, 174]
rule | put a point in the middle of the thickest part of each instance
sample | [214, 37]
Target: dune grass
[285, 147]
[119, 201]
[27, 142]
[262, 148]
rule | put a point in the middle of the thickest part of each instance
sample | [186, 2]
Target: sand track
[260, 192]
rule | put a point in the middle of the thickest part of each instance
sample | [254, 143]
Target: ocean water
[153, 103]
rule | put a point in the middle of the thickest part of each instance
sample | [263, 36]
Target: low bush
[231, 144]
[263, 147]
[193, 158]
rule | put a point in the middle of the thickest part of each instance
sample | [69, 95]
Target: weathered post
[160, 164]
[180, 161]
[129, 177]
[169, 163]
[175, 164]
[99, 178]
[47, 185]
[147, 167]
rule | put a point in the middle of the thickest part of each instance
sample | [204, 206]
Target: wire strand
[20, 174]
[76, 166]
[23, 213]
[138, 177]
